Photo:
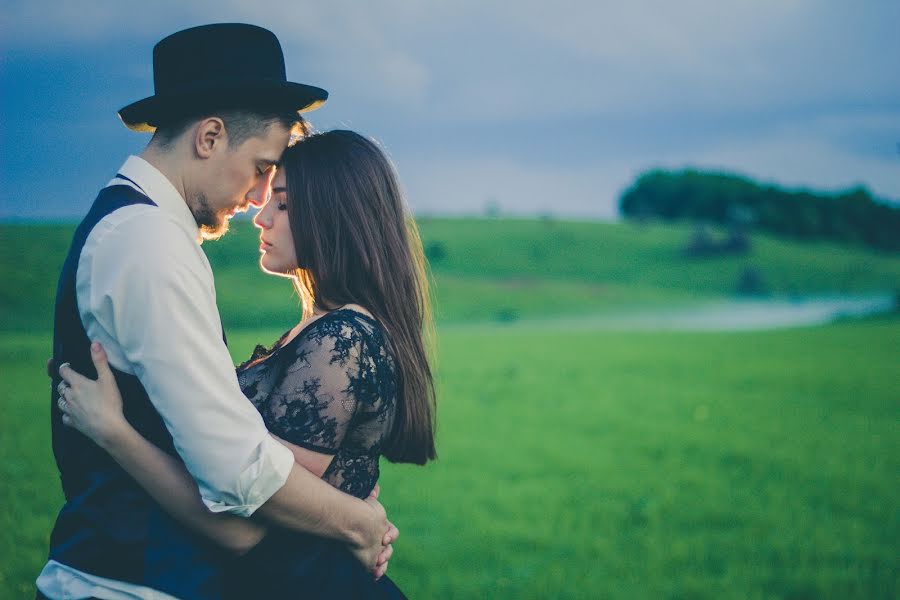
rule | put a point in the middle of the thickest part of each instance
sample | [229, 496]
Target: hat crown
[216, 67]
[218, 53]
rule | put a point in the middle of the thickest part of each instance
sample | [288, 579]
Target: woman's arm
[169, 483]
[95, 409]
[314, 462]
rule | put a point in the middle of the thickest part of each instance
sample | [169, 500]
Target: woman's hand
[92, 407]
[392, 533]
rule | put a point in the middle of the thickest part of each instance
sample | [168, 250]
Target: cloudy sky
[548, 108]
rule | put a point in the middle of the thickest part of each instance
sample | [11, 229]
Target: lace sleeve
[316, 399]
[331, 390]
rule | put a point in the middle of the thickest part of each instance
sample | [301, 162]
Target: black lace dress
[332, 389]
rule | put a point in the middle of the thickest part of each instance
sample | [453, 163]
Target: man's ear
[209, 137]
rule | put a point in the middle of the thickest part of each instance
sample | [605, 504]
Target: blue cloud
[473, 99]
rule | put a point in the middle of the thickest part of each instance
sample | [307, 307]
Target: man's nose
[259, 193]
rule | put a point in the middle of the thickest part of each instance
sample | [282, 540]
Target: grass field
[591, 465]
[577, 464]
[489, 270]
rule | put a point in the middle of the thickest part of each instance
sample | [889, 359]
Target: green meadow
[573, 464]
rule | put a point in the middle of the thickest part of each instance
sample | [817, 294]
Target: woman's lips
[264, 245]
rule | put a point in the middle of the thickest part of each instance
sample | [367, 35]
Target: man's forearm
[308, 504]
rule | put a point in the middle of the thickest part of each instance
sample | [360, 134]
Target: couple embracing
[184, 478]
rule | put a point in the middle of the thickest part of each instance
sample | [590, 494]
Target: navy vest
[109, 526]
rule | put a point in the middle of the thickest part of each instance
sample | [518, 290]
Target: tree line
[850, 216]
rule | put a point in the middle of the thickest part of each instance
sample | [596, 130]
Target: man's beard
[212, 225]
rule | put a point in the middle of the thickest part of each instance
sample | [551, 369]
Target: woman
[349, 383]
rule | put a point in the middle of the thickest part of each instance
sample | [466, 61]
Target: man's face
[236, 178]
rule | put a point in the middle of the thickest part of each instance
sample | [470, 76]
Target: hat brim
[145, 115]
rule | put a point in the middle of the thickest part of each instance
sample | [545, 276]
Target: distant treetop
[850, 216]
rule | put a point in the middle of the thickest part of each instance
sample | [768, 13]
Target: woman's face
[276, 241]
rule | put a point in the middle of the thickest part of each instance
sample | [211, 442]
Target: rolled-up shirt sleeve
[152, 291]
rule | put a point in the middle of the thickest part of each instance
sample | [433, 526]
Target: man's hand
[377, 548]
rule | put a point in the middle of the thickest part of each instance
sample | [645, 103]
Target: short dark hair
[240, 125]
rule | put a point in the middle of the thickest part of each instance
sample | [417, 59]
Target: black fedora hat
[214, 67]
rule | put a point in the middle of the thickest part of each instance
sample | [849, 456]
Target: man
[137, 281]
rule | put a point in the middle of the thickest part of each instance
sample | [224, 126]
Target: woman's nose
[262, 218]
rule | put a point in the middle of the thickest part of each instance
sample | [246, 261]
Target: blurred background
[665, 245]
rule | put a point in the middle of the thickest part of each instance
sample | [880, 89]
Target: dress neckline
[280, 344]
[311, 325]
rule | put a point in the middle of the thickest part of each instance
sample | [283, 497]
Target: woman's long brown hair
[356, 243]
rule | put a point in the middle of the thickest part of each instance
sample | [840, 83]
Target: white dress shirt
[145, 291]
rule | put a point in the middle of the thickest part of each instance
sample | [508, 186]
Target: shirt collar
[158, 188]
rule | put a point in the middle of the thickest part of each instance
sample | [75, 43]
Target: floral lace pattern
[331, 389]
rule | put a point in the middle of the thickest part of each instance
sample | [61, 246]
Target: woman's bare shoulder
[358, 308]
